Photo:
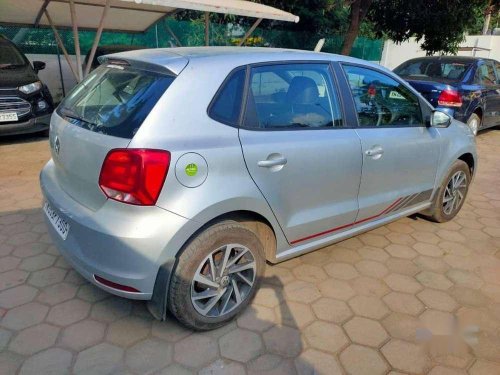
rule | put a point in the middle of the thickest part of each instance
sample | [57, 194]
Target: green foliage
[441, 24]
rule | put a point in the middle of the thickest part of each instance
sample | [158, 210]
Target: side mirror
[38, 65]
[440, 119]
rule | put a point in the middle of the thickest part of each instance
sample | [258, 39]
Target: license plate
[4, 117]
[60, 225]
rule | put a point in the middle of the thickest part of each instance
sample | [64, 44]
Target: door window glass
[486, 74]
[381, 100]
[292, 96]
[227, 104]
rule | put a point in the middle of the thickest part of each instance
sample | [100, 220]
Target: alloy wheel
[454, 194]
[223, 280]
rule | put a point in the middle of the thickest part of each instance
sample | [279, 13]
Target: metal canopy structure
[123, 15]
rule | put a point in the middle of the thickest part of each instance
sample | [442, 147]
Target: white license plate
[60, 225]
[4, 117]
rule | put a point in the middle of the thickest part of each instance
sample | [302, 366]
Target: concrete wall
[395, 54]
[50, 75]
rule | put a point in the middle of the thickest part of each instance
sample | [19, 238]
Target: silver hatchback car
[177, 173]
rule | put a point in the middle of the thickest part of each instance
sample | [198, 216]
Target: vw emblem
[57, 145]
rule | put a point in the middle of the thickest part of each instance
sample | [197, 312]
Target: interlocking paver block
[195, 351]
[342, 271]
[25, 316]
[57, 293]
[406, 356]
[223, 367]
[372, 268]
[34, 339]
[309, 273]
[337, 289]
[301, 291]
[241, 345]
[326, 336]
[126, 331]
[103, 358]
[437, 299]
[402, 283]
[315, 362]
[111, 309]
[169, 330]
[282, 340]
[83, 334]
[403, 302]
[68, 312]
[366, 331]
[49, 362]
[257, 318]
[149, 356]
[332, 310]
[434, 280]
[17, 296]
[47, 277]
[361, 360]
[294, 314]
[368, 306]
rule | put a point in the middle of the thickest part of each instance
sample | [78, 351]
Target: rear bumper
[33, 125]
[121, 243]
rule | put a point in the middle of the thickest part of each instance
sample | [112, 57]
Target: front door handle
[272, 162]
[375, 152]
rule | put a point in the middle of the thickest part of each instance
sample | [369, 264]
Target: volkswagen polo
[177, 173]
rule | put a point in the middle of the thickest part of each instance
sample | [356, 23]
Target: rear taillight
[450, 98]
[134, 176]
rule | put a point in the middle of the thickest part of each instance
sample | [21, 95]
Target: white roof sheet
[128, 15]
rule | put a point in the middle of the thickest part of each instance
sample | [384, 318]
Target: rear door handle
[374, 151]
[272, 162]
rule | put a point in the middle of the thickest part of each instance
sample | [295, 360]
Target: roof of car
[465, 59]
[238, 56]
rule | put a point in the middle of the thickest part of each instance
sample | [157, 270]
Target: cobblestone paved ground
[363, 306]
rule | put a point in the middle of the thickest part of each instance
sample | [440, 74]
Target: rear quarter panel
[180, 124]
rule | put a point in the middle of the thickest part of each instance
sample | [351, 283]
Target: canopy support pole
[207, 28]
[76, 39]
[40, 13]
[61, 45]
[97, 37]
[250, 31]
[172, 34]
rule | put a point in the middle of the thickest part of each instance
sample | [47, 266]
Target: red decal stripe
[347, 225]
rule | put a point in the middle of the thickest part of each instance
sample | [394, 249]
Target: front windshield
[114, 100]
[10, 56]
[433, 69]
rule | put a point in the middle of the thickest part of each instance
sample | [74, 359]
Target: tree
[441, 24]
[358, 12]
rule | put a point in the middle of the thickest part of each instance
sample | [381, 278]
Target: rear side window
[486, 74]
[433, 69]
[288, 96]
[114, 100]
[381, 100]
[226, 106]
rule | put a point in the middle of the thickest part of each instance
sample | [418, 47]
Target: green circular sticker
[191, 169]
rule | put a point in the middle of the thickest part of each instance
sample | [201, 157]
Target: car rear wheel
[217, 276]
[474, 122]
[451, 195]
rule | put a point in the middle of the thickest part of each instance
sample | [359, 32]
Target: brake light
[450, 98]
[134, 176]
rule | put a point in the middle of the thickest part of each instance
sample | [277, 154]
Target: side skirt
[363, 227]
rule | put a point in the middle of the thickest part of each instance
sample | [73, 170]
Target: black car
[467, 88]
[25, 102]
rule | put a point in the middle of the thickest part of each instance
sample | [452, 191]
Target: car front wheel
[217, 276]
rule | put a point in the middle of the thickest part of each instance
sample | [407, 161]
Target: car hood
[16, 77]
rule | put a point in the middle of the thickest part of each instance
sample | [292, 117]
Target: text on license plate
[60, 225]
[4, 117]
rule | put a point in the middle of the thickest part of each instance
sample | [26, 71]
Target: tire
[440, 211]
[474, 123]
[186, 296]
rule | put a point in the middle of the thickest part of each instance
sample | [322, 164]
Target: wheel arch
[468, 158]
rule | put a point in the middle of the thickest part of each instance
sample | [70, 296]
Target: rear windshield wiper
[69, 113]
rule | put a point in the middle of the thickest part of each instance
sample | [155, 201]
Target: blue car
[467, 88]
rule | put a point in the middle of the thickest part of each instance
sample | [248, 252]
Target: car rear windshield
[114, 99]
[433, 69]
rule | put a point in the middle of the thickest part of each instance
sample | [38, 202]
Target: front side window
[114, 100]
[292, 96]
[381, 100]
